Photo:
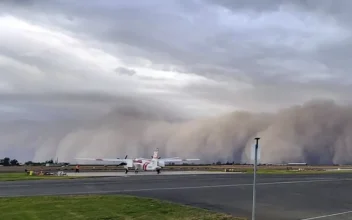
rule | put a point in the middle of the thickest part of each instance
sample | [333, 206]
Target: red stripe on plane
[145, 166]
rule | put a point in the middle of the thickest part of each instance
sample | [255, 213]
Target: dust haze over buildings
[318, 132]
[196, 78]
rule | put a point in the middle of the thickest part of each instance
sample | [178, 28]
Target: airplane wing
[104, 159]
[175, 159]
[142, 158]
[128, 162]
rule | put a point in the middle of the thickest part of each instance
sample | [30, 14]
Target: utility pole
[254, 175]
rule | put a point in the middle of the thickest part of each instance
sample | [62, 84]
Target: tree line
[8, 162]
[14, 162]
[31, 163]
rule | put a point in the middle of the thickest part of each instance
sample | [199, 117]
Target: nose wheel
[158, 171]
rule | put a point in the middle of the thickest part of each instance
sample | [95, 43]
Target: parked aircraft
[156, 163]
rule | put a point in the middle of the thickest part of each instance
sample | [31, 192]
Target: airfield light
[254, 175]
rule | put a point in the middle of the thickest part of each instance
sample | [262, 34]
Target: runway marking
[113, 182]
[229, 185]
[10, 186]
[177, 188]
[325, 216]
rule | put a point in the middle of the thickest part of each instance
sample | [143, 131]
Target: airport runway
[131, 173]
[281, 197]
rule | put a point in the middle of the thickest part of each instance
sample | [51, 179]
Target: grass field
[101, 168]
[108, 207]
[15, 176]
[24, 176]
[267, 169]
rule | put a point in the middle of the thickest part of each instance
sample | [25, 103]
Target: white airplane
[154, 164]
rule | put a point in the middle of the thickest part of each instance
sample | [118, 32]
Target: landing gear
[126, 171]
[158, 171]
[136, 171]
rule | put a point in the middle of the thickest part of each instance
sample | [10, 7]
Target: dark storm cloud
[255, 46]
[61, 94]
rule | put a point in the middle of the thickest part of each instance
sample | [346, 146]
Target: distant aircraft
[154, 164]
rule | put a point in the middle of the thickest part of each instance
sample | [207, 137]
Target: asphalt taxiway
[281, 197]
[142, 173]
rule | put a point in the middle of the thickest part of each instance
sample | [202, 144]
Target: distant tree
[14, 162]
[28, 163]
[50, 161]
[6, 161]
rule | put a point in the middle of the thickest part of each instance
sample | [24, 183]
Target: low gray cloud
[125, 71]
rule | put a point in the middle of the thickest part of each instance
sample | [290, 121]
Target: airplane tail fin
[156, 152]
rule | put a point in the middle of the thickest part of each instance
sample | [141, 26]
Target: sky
[64, 63]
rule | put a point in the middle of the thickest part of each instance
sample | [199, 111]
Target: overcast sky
[78, 59]
[217, 55]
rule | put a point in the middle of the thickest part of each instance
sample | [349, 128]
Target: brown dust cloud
[316, 132]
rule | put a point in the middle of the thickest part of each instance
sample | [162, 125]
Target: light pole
[254, 175]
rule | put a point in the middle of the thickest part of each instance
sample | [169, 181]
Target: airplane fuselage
[145, 165]
[153, 164]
